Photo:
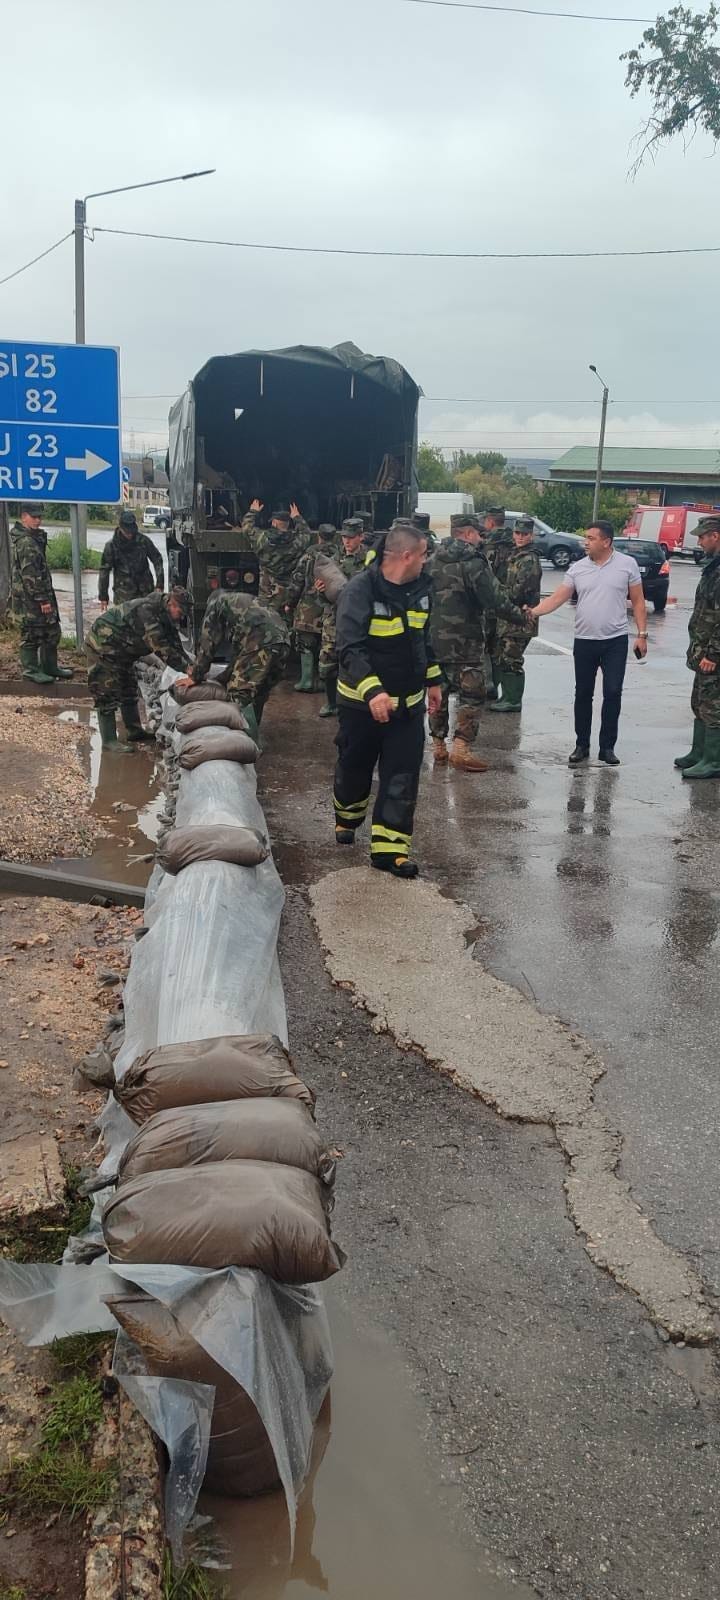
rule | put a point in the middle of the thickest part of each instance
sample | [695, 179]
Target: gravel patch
[45, 792]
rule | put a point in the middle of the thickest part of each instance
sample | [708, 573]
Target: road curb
[25, 689]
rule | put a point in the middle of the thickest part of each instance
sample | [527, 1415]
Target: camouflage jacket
[498, 549]
[230, 621]
[704, 625]
[524, 575]
[464, 590]
[129, 562]
[31, 581]
[138, 628]
[279, 552]
[302, 596]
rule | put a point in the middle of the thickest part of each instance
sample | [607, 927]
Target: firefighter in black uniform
[386, 666]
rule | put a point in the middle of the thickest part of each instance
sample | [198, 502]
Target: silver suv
[560, 548]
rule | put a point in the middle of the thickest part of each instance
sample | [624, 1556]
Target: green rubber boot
[709, 764]
[698, 746]
[252, 722]
[513, 685]
[108, 732]
[330, 709]
[306, 683]
[29, 664]
[48, 658]
[134, 729]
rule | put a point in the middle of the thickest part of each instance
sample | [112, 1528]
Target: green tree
[492, 489]
[678, 63]
[434, 476]
[568, 508]
[490, 461]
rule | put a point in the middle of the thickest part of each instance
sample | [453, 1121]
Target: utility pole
[78, 514]
[601, 444]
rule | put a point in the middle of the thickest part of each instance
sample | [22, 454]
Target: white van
[157, 517]
[441, 507]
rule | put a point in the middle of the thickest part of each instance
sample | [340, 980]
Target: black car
[654, 568]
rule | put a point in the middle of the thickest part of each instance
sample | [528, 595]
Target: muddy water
[133, 780]
[370, 1522]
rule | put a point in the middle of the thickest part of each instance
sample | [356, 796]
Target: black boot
[399, 866]
[330, 709]
[134, 729]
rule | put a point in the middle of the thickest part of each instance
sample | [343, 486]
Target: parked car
[654, 568]
[157, 517]
[560, 548]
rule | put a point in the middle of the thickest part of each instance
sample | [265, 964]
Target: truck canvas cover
[308, 424]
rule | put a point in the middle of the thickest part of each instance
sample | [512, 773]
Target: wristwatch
[642, 636]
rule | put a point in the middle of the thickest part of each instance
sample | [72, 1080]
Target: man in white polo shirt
[603, 582]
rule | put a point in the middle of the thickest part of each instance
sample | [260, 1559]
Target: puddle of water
[369, 1521]
[133, 779]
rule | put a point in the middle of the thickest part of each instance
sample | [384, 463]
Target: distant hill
[535, 466]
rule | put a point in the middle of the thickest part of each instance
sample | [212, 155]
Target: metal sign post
[60, 436]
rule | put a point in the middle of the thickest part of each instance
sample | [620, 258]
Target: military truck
[332, 430]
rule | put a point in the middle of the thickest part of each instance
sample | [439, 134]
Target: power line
[41, 257]
[416, 255]
[522, 11]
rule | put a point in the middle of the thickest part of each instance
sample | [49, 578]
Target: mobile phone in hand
[638, 653]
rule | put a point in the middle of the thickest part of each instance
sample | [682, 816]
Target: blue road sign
[60, 433]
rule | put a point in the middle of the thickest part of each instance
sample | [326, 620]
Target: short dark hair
[605, 528]
[403, 536]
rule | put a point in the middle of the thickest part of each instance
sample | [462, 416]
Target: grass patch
[59, 1480]
[59, 555]
[11, 1591]
[189, 1583]
[75, 1412]
[79, 1351]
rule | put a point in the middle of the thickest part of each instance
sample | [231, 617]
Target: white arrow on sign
[90, 464]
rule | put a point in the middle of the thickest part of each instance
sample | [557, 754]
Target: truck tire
[560, 557]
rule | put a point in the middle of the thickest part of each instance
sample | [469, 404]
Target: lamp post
[78, 521]
[601, 443]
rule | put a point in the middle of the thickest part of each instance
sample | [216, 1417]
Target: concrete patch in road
[424, 987]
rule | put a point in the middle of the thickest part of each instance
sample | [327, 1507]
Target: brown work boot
[440, 752]
[463, 758]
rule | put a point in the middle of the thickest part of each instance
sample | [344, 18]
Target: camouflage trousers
[468, 683]
[272, 594]
[705, 698]
[39, 630]
[328, 661]
[509, 646]
[111, 680]
[307, 640]
[253, 673]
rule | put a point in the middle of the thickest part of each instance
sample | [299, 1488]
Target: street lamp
[78, 524]
[601, 443]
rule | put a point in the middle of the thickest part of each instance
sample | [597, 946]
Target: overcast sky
[373, 124]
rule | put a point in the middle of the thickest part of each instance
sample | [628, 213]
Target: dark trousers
[396, 748]
[610, 656]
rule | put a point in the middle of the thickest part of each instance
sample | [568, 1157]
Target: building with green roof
[655, 477]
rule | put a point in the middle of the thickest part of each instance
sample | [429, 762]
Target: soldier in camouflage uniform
[352, 561]
[703, 658]
[498, 548]
[119, 638]
[421, 521]
[279, 549]
[464, 591]
[33, 599]
[305, 608]
[257, 642]
[128, 556]
[522, 582]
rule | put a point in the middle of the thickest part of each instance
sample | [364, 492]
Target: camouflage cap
[465, 519]
[127, 519]
[524, 525]
[182, 597]
[421, 521]
[497, 513]
[327, 532]
[352, 526]
[405, 524]
[708, 525]
[280, 516]
[32, 509]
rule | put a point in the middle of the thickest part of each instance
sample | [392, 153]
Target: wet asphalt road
[596, 891]
[578, 1446]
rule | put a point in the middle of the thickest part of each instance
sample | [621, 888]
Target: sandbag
[254, 1214]
[203, 1071]
[334, 580]
[219, 714]
[223, 745]
[240, 1457]
[197, 692]
[245, 847]
[230, 1130]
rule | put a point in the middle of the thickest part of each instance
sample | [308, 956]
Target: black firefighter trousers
[396, 748]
